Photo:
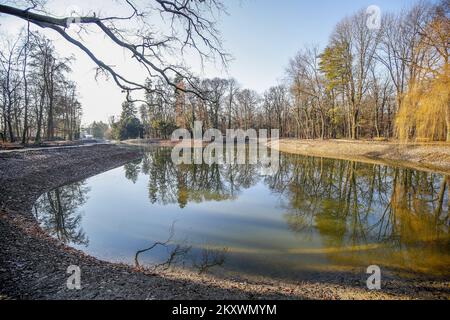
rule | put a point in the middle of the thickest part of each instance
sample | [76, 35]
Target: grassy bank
[423, 156]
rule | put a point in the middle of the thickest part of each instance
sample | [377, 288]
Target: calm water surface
[314, 215]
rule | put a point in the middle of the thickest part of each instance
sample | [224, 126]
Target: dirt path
[33, 265]
[51, 148]
[428, 157]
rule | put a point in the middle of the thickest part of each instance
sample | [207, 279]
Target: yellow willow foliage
[424, 113]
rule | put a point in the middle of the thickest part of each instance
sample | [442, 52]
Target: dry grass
[423, 156]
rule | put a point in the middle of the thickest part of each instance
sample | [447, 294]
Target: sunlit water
[314, 215]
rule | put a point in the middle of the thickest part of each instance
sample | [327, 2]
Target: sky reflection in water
[314, 215]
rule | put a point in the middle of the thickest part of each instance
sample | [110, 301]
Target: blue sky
[262, 35]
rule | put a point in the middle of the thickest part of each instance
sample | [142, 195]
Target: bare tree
[308, 83]
[10, 84]
[215, 91]
[276, 106]
[360, 45]
[191, 26]
[233, 89]
[247, 102]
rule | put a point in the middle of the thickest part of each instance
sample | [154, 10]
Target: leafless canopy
[188, 25]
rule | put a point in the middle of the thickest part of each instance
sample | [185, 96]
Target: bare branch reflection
[208, 259]
[184, 255]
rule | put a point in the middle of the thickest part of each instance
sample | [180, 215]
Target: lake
[314, 215]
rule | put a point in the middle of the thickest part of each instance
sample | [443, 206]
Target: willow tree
[425, 112]
[436, 35]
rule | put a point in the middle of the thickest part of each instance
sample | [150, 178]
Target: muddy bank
[33, 265]
[428, 157]
[47, 144]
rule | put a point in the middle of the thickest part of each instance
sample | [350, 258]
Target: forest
[391, 83]
[38, 101]
[385, 83]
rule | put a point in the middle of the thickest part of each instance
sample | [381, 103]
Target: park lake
[315, 215]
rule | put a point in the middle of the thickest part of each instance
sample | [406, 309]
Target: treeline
[38, 101]
[127, 126]
[391, 82]
[387, 82]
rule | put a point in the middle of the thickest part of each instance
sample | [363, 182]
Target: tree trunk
[25, 119]
[448, 122]
[322, 120]
[354, 133]
[25, 82]
[50, 128]
[9, 123]
[39, 119]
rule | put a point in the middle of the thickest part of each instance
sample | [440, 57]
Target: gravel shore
[33, 265]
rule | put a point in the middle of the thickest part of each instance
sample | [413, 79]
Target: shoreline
[431, 157]
[33, 265]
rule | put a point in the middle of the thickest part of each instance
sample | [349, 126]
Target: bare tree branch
[195, 18]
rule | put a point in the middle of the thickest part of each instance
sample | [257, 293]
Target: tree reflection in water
[58, 214]
[350, 213]
[170, 183]
[390, 216]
